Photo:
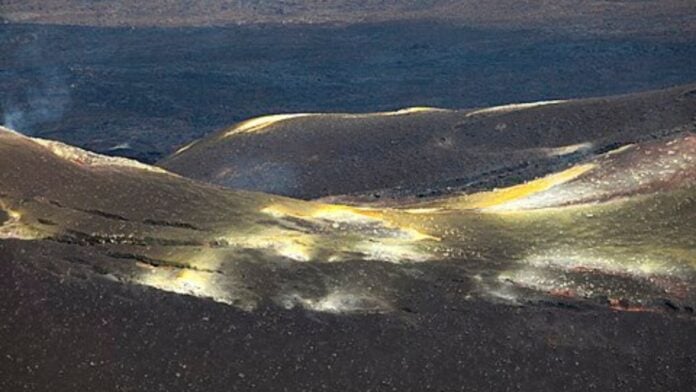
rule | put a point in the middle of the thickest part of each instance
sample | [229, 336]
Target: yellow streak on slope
[620, 150]
[260, 123]
[500, 197]
[264, 122]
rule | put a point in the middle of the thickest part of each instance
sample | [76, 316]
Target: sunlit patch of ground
[508, 199]
[618, 227]
[513, 107]
[337, 301]
[12, 226]
[86, 158]
[567, 150]
[259, 124]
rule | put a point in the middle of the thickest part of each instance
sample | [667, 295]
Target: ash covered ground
[540, 247]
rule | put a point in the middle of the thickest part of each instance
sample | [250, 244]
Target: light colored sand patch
[13, 228]
[566, 150]
[195, 283]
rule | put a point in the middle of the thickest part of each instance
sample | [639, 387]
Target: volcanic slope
[426, 151]
[617, 229]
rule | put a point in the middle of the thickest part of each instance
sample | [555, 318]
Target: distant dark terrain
[615, 17]
[143, 92]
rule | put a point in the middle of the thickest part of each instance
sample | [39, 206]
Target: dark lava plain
[142, 92]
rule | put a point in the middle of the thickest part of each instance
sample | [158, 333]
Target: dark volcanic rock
[63, 335]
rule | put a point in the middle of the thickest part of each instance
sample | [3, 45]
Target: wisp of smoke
[46, 98]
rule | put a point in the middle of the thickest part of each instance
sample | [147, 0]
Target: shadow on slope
[424, 151]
